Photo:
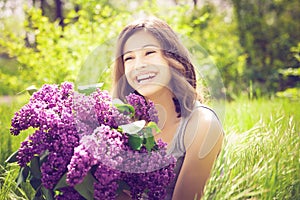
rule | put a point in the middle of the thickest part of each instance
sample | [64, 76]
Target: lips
[144, 77]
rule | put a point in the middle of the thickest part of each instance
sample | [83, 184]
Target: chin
[149, 90]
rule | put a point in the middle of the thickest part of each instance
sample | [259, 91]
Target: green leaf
[47, 193]
[44, 157]
[154, 126]
[38, 194]
[12, 158]
[62, 182]
[35, 167]
[23, 174]
[35, 182]
[149, 141]
[31, 89]
[86, 188]
[135, 142]
[88, 89]
[133, 127]
[125, 108]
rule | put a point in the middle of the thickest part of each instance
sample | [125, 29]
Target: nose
[139, 61]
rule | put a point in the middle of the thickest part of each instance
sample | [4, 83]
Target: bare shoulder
[203, 138]
[205, 115]
[204, 131]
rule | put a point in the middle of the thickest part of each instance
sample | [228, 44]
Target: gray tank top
[177, 148]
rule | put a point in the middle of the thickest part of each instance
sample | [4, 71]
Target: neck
[165, 107]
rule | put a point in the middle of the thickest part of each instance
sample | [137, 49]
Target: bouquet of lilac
[88, 146]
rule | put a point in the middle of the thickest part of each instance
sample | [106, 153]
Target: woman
[151, 61]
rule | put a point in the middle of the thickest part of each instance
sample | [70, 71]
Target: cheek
[166, 70]
[128, 76]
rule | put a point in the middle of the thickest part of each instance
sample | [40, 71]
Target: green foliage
[9, 143]
[86, 188]
[8, 188]
[49, 53]
[214, 46]
[267, 31]
[139, 135]
[293, 91]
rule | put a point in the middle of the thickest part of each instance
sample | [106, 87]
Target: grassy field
[260, 158]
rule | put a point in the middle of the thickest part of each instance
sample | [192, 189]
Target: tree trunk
[59, 12]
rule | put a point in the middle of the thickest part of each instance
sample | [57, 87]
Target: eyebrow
[143, 47]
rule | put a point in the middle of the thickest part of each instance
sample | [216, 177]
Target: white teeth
[143, 77]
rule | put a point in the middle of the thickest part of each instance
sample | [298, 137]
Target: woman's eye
[150, 52]
[127, 58]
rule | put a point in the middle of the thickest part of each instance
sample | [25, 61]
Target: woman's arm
[203, 141]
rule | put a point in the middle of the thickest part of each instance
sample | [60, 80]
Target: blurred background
[254, 45]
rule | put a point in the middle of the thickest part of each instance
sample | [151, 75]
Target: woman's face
[146, 69]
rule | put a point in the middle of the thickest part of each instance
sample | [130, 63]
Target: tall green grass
[10, 143]
[260, 157]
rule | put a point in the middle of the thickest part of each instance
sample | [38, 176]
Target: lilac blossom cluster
[106, 113]
[107, 149]
[80, 132]
[50, 113]
[157, 175]
[144, 110]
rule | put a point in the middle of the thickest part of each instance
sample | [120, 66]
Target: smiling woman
[152, 62]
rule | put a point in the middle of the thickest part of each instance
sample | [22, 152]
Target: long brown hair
[183, 81]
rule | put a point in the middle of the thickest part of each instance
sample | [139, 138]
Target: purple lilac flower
[158, 181]
[136, 183]
[60, 149]
[154, 182]
[143, 110]
[33, 145]
[81, 162]
[50, 111]
[142, 161]
[77, 132]
[106, 145]
[52, 170]
[103, 107]
[106, 113]
[152, 171]
[84, 114]
[119, 118]
[106, 185]
[152, 112]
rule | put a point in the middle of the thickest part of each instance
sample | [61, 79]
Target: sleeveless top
[177, 148]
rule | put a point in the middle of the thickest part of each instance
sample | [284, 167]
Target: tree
[267, 31]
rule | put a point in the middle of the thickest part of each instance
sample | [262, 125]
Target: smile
[145, 77]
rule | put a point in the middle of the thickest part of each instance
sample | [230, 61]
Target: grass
[9, 143]
[260, 157]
